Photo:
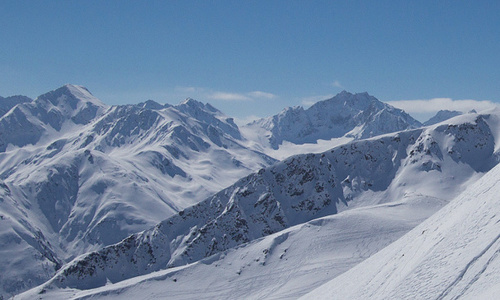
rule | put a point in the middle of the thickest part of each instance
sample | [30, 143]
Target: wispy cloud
[227, 96]
[178, 93]
[436, 104]
[337, 84]
[308, 101]
[260, 94]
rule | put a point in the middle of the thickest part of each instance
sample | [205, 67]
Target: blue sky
[253, 58]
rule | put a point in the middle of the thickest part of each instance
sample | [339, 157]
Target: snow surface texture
[431, 164]
[453, 255]
[77, 175]
[346, 114]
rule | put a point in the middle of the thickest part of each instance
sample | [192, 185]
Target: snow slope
[284, 265]
[351, 115]
[77, 175]
[453, 255]
[437, 163]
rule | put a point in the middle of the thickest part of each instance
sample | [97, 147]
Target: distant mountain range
[92, 194]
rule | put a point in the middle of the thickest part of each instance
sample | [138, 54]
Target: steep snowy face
[357, 115]
[435, 162]
[78, 175]
[441, 116]
[452, 255]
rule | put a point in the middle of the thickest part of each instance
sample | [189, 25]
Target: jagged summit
[210, 115]
[189, 100]
[357, 115]
[151, 104]
[359, 100]
[190, 103]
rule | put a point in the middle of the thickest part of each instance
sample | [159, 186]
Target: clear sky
[253, 57]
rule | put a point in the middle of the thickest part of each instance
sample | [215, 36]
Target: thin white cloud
[260, 94]
[188, 89]
[308, 101]
[337, 84]
[436, 104]
[228, 96]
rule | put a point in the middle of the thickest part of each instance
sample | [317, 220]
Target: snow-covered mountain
[431, 164]
[452, 255]
[353, 115]
[77, 175]
[441, 116]
[283, 265]
[8, 103]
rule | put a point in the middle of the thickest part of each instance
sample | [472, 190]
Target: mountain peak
[354, 96]
[337, 117]
[190, 101]
[76, 88]
[344, 99]
[70, 95]
[67, 102]
[151, 104]
[191, 104]
[345, 93]
[441, 116]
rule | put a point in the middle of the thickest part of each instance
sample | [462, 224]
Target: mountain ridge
[452, 255]
[346, 114]
[295, 191]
